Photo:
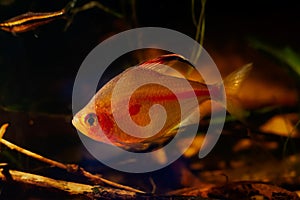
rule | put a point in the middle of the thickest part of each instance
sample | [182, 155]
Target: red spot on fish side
[202, 92]
[134, 109]
[106, 124]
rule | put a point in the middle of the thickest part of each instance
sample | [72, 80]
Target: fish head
[86, 122]
[94, 121]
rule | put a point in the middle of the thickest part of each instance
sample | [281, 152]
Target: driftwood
[68, 187]
[60, 186]
[235, 190]
[77, 190]
[84, 191]
[69, 167]
[72, 190]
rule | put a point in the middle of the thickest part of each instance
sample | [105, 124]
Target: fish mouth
[78, 125]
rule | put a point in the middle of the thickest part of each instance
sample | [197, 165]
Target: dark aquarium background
[38, 69]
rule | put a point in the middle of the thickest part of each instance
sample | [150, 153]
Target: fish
[31, 20]
[96, 119]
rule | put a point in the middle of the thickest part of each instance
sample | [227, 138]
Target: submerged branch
[69, 167]
[78, 190]
[33, 155]
[71, 188]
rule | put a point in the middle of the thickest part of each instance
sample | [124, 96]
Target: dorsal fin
[175, 61]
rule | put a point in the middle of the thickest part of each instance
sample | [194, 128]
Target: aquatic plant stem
[96, 4]
[285, 145]
[133, 15]
[200, 29]
[193, 13]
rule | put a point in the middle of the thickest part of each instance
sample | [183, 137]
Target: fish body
[98, 114]
[31, 20]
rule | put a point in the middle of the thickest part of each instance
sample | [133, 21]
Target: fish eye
[90, 119]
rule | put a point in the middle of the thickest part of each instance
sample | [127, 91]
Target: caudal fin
[232, 85]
